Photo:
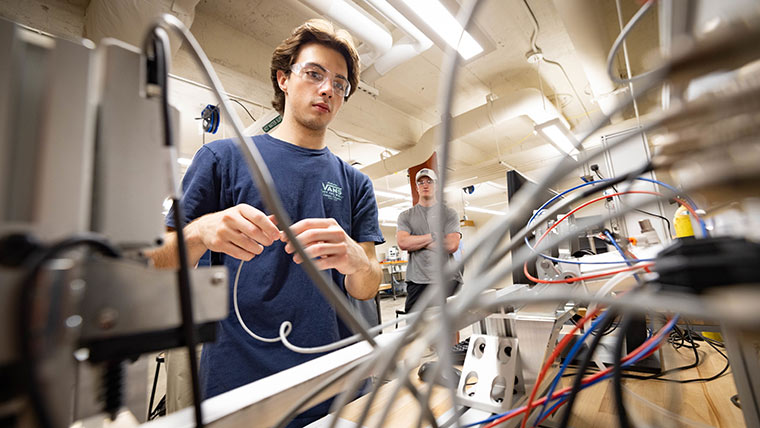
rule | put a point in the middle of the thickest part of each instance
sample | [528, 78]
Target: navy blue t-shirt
[272, 288]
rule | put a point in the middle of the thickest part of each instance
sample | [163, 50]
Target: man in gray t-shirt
[415, 234]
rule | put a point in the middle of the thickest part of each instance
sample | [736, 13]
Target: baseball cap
[426, 172]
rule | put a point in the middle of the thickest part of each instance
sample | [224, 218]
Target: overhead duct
[525, 102]
[357, 23]
[587, 31]
[127, 20]
[413, 44]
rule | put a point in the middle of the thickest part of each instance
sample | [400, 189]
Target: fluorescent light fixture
[556, 132]
[484, 210]
[184, 161]
[446, 26]
[393, 195]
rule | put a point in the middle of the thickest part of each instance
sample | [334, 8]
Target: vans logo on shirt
[332, 191]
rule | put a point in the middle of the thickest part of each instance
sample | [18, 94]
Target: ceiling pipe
[413, 44]
[358, 23]
[127, 20]
[524, 102]
[588, 33]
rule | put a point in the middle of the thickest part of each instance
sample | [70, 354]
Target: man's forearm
[167, 255]
[363, 285]
[452, 242]
[415, 242]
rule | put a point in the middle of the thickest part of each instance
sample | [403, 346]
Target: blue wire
[622, 253]
[561, 399]
[570, 356]
[702, 224]
[668, 327]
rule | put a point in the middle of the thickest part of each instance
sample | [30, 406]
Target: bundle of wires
[626, 260]
[561, 397]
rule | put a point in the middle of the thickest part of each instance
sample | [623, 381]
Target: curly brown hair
[313, 31]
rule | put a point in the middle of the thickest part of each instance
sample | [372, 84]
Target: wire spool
[210, 117]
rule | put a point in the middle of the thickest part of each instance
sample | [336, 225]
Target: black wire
[183, 274]
[246, 110]
[582, 370]
[617, 372]
[28, 285]
[611, 182]
[636, 209]
[687, 341]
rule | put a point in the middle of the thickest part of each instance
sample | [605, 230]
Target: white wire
[287, 327]
[240, 319]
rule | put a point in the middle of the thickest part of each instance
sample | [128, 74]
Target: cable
[617, 372]
[244, 108]
[159, 41]
[619, 41]
[27, 288]
[237, 310]
[442, 280]
[596, 170]
[292, 412]
[658, 376]
[534, 45]
[584, 205]
[604, 320]
[286, 327]
[643, 351]
[549, 361]
[585, 277]
[620, 250]
[609, 182]
[581, 370]
[492, 236]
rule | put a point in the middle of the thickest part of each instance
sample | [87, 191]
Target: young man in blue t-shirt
[333, 207]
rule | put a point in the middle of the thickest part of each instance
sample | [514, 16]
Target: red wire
[589, 379]
[560, 346]
[584, 205]
[583, 278]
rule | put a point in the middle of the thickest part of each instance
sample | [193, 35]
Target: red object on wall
[431, 163]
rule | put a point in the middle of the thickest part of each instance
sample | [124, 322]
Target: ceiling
[239, 36]
[412, 87]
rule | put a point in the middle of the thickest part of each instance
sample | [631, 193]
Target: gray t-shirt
[419, 220]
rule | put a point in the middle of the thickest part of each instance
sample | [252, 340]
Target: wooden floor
[696, 404]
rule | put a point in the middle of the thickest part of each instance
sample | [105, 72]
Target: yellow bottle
[682, 223]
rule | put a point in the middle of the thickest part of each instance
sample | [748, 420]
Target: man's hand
[241, 231]
[331, 248]
[328, 244]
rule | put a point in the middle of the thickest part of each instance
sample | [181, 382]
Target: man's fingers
[311, 223]
[242, 241]
[254, 232]
[260, 220]
[236, 252]
[322, 263]
[309, 237]
[324, 249]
